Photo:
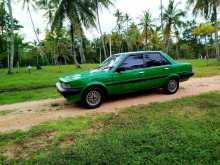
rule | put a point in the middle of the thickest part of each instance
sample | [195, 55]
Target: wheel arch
[176, 76]
[98, 85]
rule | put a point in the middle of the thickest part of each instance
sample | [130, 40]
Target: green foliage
[181, 131]
[204, 29]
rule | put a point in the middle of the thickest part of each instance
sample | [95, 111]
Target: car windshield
[110, 62]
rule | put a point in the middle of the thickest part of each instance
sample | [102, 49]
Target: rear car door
[130, 76]
[156, 69]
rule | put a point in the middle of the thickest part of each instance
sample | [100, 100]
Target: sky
[134, 8]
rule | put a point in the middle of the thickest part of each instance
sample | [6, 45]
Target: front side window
[133, 62]
[154, 59]
[110, 62]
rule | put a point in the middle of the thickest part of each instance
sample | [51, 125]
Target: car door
[156, 69]
[128, 76]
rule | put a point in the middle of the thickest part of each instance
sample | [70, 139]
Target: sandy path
[23, 116]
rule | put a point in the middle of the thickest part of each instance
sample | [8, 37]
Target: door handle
[141, 72]
[166, 68]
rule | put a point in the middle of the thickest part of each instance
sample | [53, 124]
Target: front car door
[130, 76]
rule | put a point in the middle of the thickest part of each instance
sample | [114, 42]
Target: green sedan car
[125, 73]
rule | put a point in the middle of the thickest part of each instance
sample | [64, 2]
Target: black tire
[172, 86]
[90, 102]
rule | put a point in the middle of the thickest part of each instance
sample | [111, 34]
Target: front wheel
[93, 97]
[172, 86]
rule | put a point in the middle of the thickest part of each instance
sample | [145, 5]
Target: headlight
[65, 85]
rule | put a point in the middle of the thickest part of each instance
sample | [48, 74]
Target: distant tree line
[66, 42]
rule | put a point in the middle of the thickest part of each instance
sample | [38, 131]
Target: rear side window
[154, 59]
[133, 62]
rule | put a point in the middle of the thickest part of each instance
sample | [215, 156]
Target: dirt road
[22, 116]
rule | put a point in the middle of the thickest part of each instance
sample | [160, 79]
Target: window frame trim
[127, 58]
[160, 56]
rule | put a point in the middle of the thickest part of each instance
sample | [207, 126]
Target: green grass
[183, 131]
[205, 68]
[38, 78]
[28, 95]
[38, 84]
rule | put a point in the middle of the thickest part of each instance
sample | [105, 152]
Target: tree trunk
[100, 29]
[110, 46]
[161, 14]
[167, 43]
[177, 51]
[146, 37]
[32, 22]
[126, 38]
[73, 50]
[12, 37]
[18, 61]
[177, 45]
[206, 46]
[81, 50]
[214, 20]
[216, 44]
[35, 32]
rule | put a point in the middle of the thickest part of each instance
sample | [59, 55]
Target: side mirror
[120, 69]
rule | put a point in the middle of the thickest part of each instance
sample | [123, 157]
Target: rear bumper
[67, 92]
[186, 76]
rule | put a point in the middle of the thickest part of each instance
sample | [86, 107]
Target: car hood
[83, 75]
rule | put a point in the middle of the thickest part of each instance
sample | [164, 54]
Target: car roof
[136, 53]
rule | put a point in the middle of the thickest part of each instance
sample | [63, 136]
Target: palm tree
[99, 4]
[12, 38]
[127, 20]
[161, 14]
[172, 18]
[147, 26]
[28, 4]
[49, 7]
[2, 17]
[119, 25]
[209, 9]
[79, 13]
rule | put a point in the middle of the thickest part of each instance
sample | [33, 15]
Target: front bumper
[67, 91]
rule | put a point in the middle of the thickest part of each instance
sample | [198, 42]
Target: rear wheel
[172, 86]
[93, 97]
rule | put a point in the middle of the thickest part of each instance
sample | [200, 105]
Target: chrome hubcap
[172, 86]
[93, 98]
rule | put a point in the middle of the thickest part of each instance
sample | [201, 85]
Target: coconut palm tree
[49, 7]
[99, 4]
[172, 18]
[12, 38]
[209, 9]
[146, 26]
[28, 4]
[119, 25]
[127, 20]
[79, 13]
[161, 14]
